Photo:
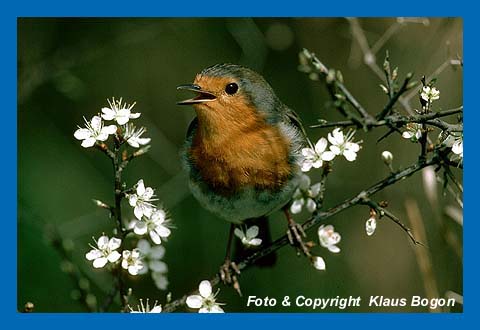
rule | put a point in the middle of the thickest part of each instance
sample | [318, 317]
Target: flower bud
[371, 225]
[387, 157]
[318, 263]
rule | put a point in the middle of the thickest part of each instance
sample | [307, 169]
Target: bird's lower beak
[202, 97]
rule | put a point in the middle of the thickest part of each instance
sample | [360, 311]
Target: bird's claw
[295, 234]
[229, 273]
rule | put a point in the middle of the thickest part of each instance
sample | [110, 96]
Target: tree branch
[316, 219]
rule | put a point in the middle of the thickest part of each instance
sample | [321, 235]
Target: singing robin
[242, 150]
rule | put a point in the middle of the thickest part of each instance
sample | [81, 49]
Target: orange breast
[254, 156]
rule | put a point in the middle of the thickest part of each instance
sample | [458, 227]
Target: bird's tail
[264, 234]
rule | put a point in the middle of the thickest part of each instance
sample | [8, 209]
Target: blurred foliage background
[68, 67]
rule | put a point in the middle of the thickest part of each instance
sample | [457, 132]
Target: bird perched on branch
[242, 151]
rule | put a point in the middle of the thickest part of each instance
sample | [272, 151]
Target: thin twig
[383, 211]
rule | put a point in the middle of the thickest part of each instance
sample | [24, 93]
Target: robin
[242, 151]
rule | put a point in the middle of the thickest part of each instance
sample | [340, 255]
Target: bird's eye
[231, 88]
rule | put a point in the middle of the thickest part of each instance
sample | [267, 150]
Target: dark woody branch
[397, 120]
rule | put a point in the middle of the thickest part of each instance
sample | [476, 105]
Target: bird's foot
[296, 234]
[229, 273]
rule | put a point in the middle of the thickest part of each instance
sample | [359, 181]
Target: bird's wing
[293, 118]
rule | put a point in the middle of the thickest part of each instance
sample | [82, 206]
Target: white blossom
[305, 195]
[429, 94]
[457, 147]
[155, 226]
[371, 225]
[141, 200]
[145, 308]
[133, 136]
[248, 237]
[160, 280]
[387, 157]
[205, 302]
[318, 263]
[413, 132]
[152, 260]
[132, 261]
[342, 144]
[105, 251]
[94, 131]
[315, 157]
[118, 111]
[328, 238]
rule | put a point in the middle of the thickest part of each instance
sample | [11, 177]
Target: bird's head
[230, 94]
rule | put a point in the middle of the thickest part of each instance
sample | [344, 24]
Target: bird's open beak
[202, 97]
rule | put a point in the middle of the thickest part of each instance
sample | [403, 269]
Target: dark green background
[68, 67]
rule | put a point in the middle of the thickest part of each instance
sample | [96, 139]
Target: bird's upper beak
[202, 95]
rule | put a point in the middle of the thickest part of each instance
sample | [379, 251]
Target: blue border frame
[231, 8]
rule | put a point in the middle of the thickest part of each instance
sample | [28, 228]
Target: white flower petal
[140, 188]
[194, 301]
[113, 256]
[328, 155]
[82, 134]
[163, 231]
[140, 228]
[307, 165]
[255, 241]
[102, 136]
[102, 242]
[111, 129]
[132, 200]
[143, 141]
[108, 114]
[158, 266]
[161, 281]
[335, 150]
[350, 155]
[239, 233]
[93, 254]
[216, 309]
[133, 142]
[156, 309]
[144, 246]
[135, 115]
[96, 123]
[352, 146]
[100, 262]
[318, 163]
[114, 243]
[205, 289]
[334, 249]
[155, 237]
[157, 252]
[148, 193]
[308, 153]
[87, 143]
[321, 145]
[133, 270]
[252, 232]
[138, 211]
